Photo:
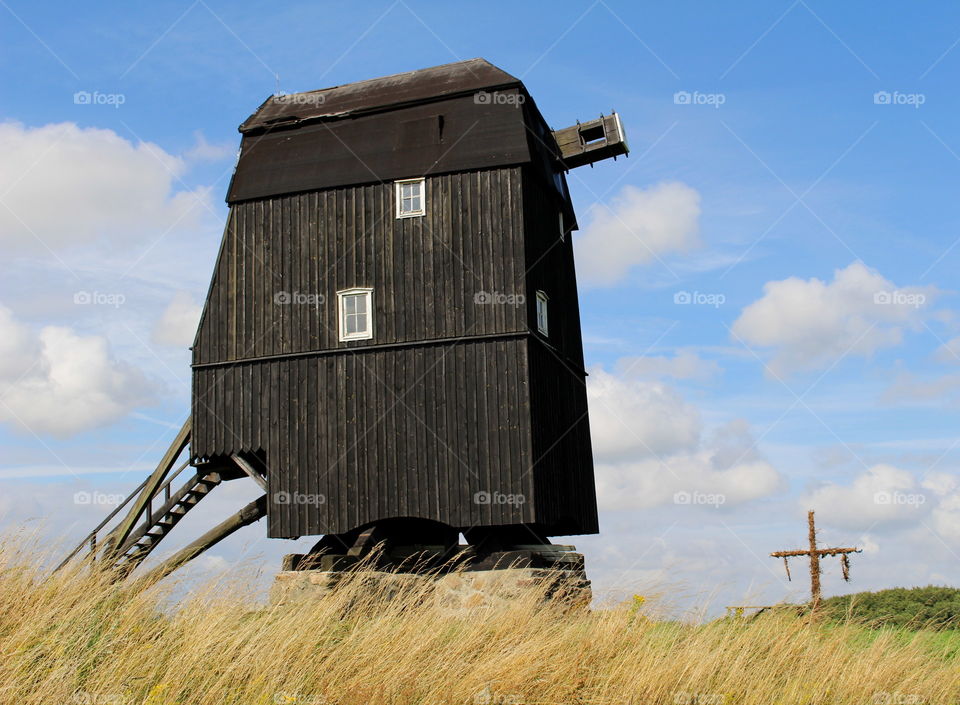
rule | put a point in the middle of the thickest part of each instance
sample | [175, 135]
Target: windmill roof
[375, 94]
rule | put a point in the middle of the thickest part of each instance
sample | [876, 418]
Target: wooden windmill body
[391, 339]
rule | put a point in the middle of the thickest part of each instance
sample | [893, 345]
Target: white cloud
[941, 483]
[686, 478]
[881, 495]
[65, 185]
[649, 444]
[59, 383]
[204, 151]
[632, 418]
[685, 364]
[945, 486]
[809, 323]
[909, 387]
[638, 226]
[949, 351]
[178, 324]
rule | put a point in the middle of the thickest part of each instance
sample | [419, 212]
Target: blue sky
[813, 169]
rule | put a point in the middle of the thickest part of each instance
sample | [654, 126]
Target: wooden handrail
[153, 485]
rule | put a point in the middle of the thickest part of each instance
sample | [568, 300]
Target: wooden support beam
[119, 536]
[256, 510]
[250, 470]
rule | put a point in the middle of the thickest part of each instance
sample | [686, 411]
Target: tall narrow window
[542, 319]
[411, 198]
[356, 314]
[563, 231]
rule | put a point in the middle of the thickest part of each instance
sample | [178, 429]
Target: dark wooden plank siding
[426, 272]
[562, 455]
[550, 267]
[562, 460]
[342, 418]
[451, 397]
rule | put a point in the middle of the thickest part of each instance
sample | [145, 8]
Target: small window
[542, 321]
[411, 198]
[356, 314]
[592, 134]
[563, 232]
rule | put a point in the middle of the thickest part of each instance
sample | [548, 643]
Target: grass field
[77, 639]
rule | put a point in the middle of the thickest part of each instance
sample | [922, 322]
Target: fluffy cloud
[63, 185]
[908, 387]
[178, 324]
[891, 499]
[949, 351]
[633, 418]
[59, 383]
[687, 478]
[881, 495]
[809, 323]
[685, 364]
[638, 226]
[650, 449]
[204, 151]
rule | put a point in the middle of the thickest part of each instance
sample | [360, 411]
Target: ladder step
[159, 525]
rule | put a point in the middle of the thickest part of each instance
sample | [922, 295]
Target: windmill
[390, 347]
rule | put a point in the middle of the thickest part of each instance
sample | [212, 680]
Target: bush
[929, 606]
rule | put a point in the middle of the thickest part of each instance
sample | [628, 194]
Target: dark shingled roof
[377, 93]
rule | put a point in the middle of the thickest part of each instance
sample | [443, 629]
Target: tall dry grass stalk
[76, 638]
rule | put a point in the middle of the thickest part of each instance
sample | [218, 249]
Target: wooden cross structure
[815, 554]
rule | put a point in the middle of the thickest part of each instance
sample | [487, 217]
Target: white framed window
[543, 324]
[356, 314]
[411, 197]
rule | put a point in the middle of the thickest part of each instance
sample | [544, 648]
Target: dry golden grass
[77, 639]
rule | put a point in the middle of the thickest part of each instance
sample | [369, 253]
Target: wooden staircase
[127, 544]
[158, 524]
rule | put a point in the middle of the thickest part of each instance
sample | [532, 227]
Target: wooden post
[814, 562]
[254, 511]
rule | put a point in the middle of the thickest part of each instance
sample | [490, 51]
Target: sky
[770, 321]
